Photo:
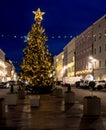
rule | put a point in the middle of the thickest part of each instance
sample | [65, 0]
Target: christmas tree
[37, 67]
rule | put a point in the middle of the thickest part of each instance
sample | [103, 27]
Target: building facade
[69, 59]
[99, 48]
[2, 66]
[83, 50]
[85, 55]
[10, 71]
[7, 69]
[58, 65]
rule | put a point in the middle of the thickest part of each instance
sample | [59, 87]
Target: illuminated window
[94, 38]
[95, 64]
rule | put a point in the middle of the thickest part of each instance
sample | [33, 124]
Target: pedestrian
[12, 89]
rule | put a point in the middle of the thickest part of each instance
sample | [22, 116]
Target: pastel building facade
[59, 67]
[69, 59]
[99, 48]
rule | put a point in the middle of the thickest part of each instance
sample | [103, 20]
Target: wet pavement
[52, 114]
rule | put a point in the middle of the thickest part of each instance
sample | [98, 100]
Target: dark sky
[63, 19]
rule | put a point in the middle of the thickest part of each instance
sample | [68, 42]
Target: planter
[59, 92]
[35, 102]
[11, 99]
[69, 97]
[91, 106]
[2, 108]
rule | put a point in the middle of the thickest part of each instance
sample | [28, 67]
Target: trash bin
[2, 108]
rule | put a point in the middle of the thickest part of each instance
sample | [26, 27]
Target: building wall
[2, 66]
[99, 48]
[89, 61]
[69, 59]
[58, 64]
[83, 50]
[10, 71]
[7, 69]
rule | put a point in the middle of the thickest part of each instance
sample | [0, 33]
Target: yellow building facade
[69, 59]
[58, 65]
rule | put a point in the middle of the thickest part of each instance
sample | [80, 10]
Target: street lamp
[92, 60]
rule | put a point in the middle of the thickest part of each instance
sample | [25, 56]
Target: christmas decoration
[37, 68]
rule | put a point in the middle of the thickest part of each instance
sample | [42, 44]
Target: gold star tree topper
[38, 14]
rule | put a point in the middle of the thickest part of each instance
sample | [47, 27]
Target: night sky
[63, 20]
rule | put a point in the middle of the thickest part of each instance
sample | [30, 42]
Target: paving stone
[52, 114]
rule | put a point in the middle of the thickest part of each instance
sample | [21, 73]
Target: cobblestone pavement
[52, 114]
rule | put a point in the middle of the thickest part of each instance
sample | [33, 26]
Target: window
[99, 63]
[105, 33]
[95, 64]
[105, 62]
[105, 47]
[95, 51]
[100, 35]
[94, 38]
[100, 49]
[99, 25]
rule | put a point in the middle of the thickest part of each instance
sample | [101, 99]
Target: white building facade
[99, 48]
[7, 69]
[2, 66]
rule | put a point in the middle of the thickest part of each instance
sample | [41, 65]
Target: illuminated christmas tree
[37, 68]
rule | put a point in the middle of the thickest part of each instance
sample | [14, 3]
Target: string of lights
[25, 37]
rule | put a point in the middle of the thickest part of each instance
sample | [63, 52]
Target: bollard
[2, 108]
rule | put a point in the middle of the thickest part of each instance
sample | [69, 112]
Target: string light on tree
[36, 67]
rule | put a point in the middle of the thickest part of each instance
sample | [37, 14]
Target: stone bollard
[59, 92]
[2, 108]
[91, 106]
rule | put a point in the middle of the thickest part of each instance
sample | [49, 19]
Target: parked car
[4, 85]
[82, 84]
[100, 84]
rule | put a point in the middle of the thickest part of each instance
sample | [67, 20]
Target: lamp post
[92, 60]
